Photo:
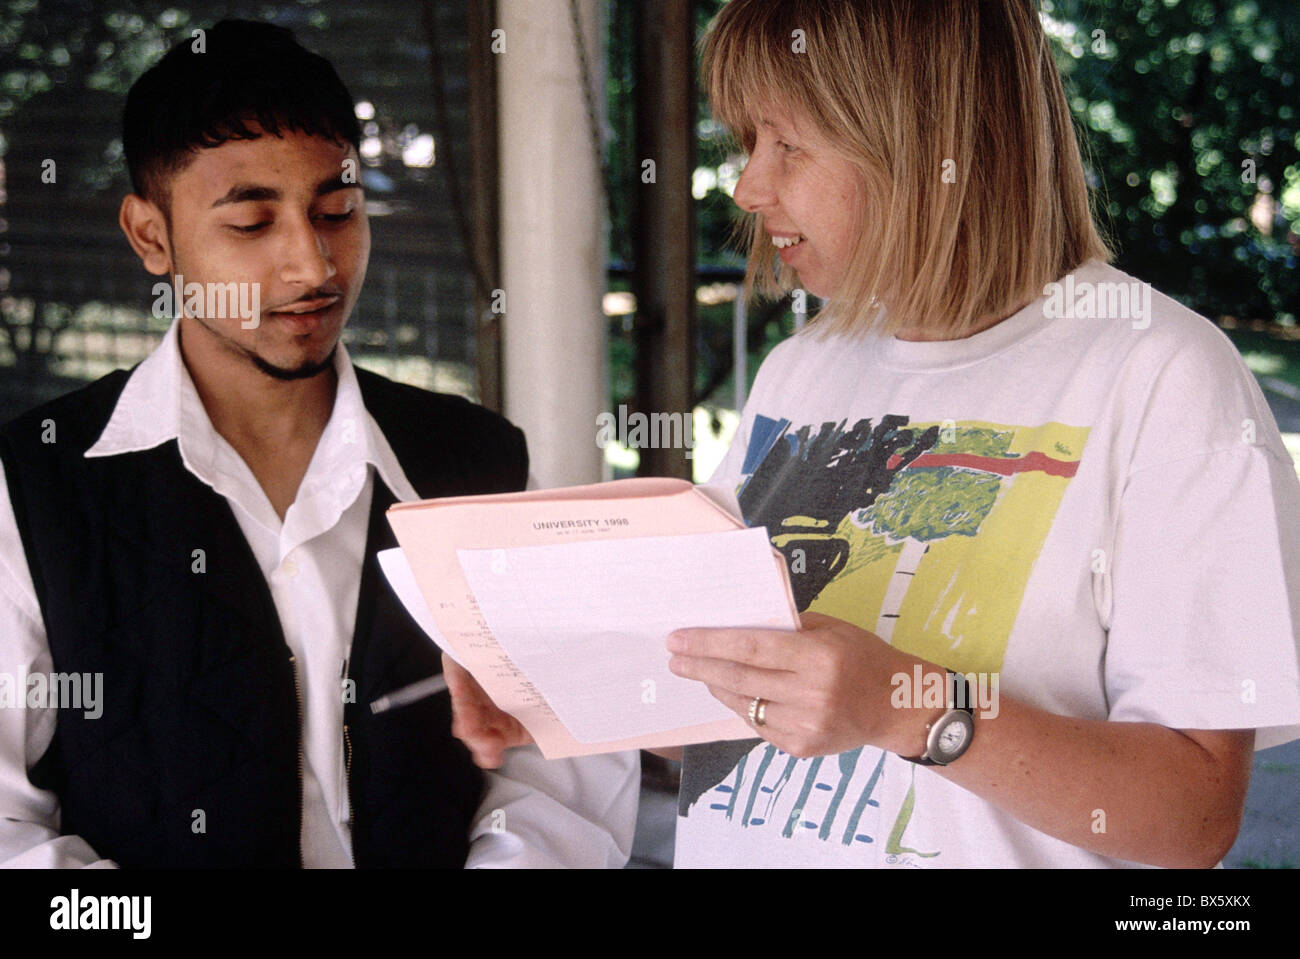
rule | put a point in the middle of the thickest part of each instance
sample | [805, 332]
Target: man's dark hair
[246, 78]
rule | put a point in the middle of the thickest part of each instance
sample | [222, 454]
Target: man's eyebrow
[253, 193]
[248, 192]
[334, 184]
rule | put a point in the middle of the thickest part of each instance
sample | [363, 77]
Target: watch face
[953, 737]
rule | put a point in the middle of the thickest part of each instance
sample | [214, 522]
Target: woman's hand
[477, 722]
[827, 687]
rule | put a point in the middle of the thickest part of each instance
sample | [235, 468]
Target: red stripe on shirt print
[1032, 462]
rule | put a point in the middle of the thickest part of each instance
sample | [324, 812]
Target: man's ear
[146, 230]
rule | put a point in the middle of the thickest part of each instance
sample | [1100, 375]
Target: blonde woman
[992, 456]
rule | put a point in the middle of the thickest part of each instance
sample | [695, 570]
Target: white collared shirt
[534, 812]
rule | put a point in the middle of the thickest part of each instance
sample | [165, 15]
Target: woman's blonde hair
[954, 115]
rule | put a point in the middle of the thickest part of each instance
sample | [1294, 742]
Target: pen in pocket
[409, 694]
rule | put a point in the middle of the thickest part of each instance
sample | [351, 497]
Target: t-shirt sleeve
[1205, 581]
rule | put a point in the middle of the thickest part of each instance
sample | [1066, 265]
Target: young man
[194, 541]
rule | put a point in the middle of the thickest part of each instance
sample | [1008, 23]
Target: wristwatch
[951, 734]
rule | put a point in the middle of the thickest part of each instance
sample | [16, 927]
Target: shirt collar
[160, 403]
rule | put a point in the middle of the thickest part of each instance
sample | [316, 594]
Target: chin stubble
[304, 372]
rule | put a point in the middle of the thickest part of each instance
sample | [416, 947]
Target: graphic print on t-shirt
[923, 533]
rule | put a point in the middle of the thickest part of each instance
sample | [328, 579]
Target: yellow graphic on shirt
[923, 533]
[961, 592]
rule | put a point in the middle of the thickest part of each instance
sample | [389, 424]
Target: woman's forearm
[1135, 791]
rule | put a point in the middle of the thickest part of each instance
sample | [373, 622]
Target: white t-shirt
[1099, 512]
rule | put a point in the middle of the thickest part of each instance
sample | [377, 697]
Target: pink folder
[432, 534]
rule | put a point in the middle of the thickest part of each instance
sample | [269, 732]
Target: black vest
[196, 759]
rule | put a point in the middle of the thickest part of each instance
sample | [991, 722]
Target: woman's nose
[754, 188]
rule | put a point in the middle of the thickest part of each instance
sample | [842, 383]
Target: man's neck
[274, 425]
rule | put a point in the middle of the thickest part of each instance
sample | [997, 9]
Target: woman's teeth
[784, 242]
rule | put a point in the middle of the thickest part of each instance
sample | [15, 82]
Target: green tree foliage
[1189, 107]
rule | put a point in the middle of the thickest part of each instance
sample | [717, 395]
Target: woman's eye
[252, 228]
[337, 217]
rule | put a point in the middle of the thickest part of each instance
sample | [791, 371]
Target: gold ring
[758, 712]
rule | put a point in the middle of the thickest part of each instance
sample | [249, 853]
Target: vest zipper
[297, 692]
[347, 775]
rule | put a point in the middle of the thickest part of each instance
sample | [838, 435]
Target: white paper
[586, 622]
[398, 572]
